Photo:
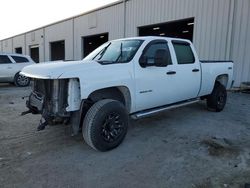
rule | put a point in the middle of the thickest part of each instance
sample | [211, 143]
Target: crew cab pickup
[132, 77]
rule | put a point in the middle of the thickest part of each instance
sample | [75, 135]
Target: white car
[11, 65]
[135, 76]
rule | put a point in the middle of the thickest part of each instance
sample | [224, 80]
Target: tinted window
[184, 53]
[151, 51]
[4, 59]
[20, 59]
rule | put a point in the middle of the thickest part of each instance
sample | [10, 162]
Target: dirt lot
[185, 147]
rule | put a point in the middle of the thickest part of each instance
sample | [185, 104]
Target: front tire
[105, 125]
[216, 101]
[21, 81]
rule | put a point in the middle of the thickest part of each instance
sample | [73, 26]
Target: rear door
[188, 71]
[6, 68]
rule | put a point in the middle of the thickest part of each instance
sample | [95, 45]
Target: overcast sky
[19, 16]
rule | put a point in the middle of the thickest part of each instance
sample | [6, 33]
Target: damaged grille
[49, 97]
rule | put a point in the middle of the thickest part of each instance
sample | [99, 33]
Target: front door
[154, 85]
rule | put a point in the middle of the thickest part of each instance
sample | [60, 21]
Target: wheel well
[119, 93]
[16, 74]
[222, 79]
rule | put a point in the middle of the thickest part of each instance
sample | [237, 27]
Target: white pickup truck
[133, 77]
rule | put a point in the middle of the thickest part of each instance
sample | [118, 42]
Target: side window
[151, 52]
[4, 59]
[184, 53]
[19, 59]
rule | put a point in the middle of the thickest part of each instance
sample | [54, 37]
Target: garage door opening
[34, 53]
[90, 43]
[177, 29]
[57, 50]
[19, 50]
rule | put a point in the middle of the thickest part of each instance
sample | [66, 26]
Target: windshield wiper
[120, 55]
[102, 52]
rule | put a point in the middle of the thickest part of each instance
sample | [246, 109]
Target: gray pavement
[185, 147]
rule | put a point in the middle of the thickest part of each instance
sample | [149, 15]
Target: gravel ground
[185, 147]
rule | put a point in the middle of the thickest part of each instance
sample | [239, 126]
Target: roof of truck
[153, 38]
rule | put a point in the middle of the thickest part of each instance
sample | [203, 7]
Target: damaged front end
[55, 100]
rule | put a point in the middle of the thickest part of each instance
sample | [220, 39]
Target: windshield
[121, 51]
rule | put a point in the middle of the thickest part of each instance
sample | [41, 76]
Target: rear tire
[105, 125]
[21, 81]
[216, 101]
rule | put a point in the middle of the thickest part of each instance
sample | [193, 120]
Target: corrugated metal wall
[221, 30]
[36, 38]
[240, 47]
[211, 21]
[57, 32]
[7, 45]
[19, 41]
[109, 20]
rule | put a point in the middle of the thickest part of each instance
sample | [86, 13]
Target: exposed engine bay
[55, 100]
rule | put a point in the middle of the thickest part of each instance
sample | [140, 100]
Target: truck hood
[54, 70]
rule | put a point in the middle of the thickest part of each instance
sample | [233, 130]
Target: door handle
[9, 67]
[171, 72]
[196, 70]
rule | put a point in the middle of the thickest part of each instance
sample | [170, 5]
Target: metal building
[220, 30]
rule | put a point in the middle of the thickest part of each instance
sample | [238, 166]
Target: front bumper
[35, 102]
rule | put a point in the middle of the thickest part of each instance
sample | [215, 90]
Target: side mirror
[161, 58]
[143, 61]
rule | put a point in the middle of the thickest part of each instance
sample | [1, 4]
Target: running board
[150, 112]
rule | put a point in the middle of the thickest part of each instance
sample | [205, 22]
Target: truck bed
[210, 72]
